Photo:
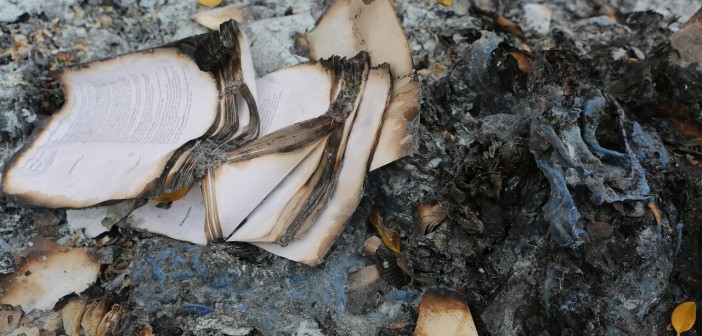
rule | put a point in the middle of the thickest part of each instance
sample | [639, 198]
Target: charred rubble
[558, 171]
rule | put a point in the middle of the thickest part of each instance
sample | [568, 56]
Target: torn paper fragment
[688, 41]
[72, 314]
[181, 220]
[443, 312]
[50, 272]
[212, 18]
[398, 137]
[349, 27]
[98, 220]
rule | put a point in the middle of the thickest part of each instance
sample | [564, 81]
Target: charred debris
[556, 191]
[560, 168]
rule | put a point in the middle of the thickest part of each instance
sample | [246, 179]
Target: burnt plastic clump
[577, 134]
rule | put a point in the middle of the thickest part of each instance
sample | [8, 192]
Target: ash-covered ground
[551, 150]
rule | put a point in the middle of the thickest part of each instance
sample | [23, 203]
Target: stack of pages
[278, 161]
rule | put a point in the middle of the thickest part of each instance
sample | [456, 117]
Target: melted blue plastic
[565, 147]
[572, 156]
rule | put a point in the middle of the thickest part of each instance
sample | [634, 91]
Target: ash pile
[555, 190]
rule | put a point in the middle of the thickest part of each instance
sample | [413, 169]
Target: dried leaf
[72, 314]
[683, 317]
[524, 60]
[209, 3]
[143, 330]
[445, 2]
[110, 322]
[92, 317]
[509, 26]
[430, 216]
[386, 231]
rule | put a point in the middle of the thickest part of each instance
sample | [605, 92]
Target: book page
[183, 220]
[292, 95]
[241, 186]
[348, 27]
[121, 120]
[311, 247]
[263, 219]
[249, 74]
[285, 97]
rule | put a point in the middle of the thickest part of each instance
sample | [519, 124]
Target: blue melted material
[560, 211]
[563, 141]
[157, 273]
[571, 156]
[678, 244]
[648, 146]
[593, 110]
[188, 277]
[481, 51]
[195, 309]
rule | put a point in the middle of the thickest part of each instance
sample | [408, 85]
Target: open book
[278, 161]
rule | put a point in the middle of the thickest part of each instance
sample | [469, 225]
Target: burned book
[302, 179]
[279, 161]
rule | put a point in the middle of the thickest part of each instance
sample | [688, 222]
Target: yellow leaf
[444, 2]
[209, 3]
[172, 196]
[683, 317]
[386, 231]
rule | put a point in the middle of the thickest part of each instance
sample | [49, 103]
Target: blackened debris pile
[560, 145]
[560, 123]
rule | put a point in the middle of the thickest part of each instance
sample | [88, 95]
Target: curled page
[351, 26]
[121, 121]
[311, 247]
[285, 97]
